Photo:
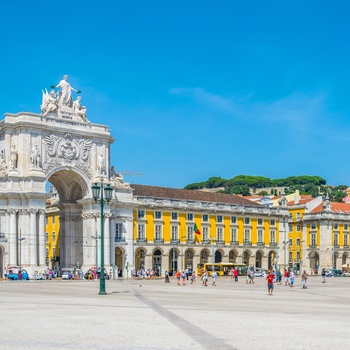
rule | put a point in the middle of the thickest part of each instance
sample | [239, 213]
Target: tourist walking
[235, 274]
[291, 278]
[213, 275]
[193, 278]
[178, 276]
[270, 277]
[183, 276]
[304, 278]
[205, 279]
[323, 274]
[286, 277]
[167, 279]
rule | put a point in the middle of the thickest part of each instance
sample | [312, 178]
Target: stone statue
[100, 163]
[2, 160]
[35, 157]
[113, 173]
[66, 92]
[50, 103]
[79, 110]
[13, 157]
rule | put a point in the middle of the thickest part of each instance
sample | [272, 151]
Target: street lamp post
[20, 239]
[102, 195]
[96, 238]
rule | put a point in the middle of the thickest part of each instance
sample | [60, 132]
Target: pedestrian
[304, 278]
[270, 277]
[178, 276]
[213, 275]
[279, 277]
[323, 274]
[235, 274]
[205, 279]
[291, 278]
[183, 276]
[187, 273]
[193, 278]
[167, 279]
[251, 277]
[231, 274]
[247, 278]
[286, 277]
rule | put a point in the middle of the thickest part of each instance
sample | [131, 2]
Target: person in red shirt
[270, 277]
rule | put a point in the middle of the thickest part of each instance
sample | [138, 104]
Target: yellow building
[232, 229]
[52, 229]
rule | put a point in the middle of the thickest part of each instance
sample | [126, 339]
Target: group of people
[145, 274]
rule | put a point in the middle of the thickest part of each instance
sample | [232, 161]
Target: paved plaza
[153, 315]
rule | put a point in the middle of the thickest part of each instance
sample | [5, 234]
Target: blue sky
[193, 89]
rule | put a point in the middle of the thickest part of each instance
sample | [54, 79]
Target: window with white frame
[298, 216]
[290, 228]
[336, 240]
[219, 218]
[260, 236]
[346, 227]
[205, 230]
[219, 234]
[260, 221]
[291, 217]
[158, 215]
[174, 216]
[158, 232]
[346, 241]
[174, 233]
[272, 222]
[313, 239]
[140, 214]
[298, 228]
[141, 232]
[298, 255]
[290, 256]
[290, 242]
[246, 221]
[313, 226]
[336, 226]
[246, 236]
[273, 236]
[189, 217]
[118, 231]
[190, 233]
[53, 219]
[53, 236]
[298, 241]
[205, 218]
[233, 219]
[233, 235]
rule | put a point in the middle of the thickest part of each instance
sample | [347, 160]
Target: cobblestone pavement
[154, 315]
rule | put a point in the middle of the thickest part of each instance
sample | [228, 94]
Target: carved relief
[67, 150]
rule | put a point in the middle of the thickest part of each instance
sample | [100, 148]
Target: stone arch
[232, 255]
[189, 256]
[72, 186]
[157, 261]
[219, 254]
[314, 260]
[246, 257]
[335, 259]
[2, 259]
[258, 259]
[204, 256]
[271, 259]
[140, 256]
[174, 254]
[119, 257]
[344, 258]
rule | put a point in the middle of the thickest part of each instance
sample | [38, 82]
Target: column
[32, 238]
[107, 235]
[41, 240]
[12, 237]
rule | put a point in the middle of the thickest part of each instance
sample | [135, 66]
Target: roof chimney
[296, 197]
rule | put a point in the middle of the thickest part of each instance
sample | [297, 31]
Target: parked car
[346, 274]
[260, 272]
[16, 275]
[67, 274]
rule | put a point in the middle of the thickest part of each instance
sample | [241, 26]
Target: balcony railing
[175, 241]
[141, 240]
[247, 243]
[159, 240]
[220, 241]
[313, 245]
[273, 244]
[260, 244]
[336, 245]
[234, 243]
[119, 239]
[346, 246]
[190, 241]
[206, 241]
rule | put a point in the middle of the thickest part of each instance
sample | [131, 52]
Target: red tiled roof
[180, 194]
[301, 201]
[338, 208]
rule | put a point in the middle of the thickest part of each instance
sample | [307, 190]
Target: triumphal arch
[61, 146]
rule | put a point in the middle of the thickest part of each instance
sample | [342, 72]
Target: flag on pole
[196, 230]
